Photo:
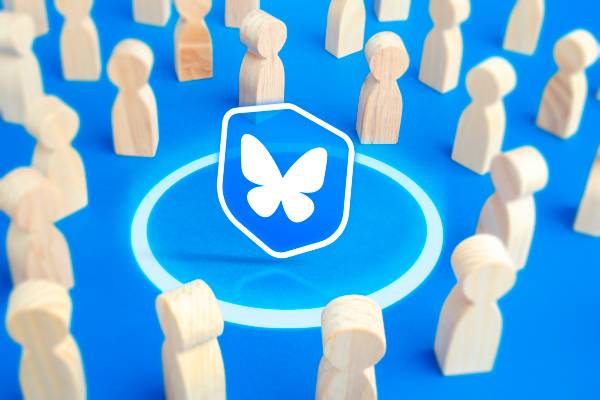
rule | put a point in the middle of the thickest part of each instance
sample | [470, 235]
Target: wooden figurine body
[509, 213]
[79, 44]
[380, 104]
[237, 10]
[193, 44]
[134, 113]
[524, 26]
[443, 48]
[392, 10]
[565, 94]
[191, 322]
[588, 215]
[262, 74]
[346, 20]
[20, 76]
[36, 9]
[470, 324]
[152, 12]
[481, 127]
[38, 318]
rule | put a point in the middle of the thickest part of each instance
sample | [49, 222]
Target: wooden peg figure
[524, 26]
[79, 44]
[481, 127]
[36, 9]
[262, 75]
[134, 113]
[39, 319]
[237, 10]
[54, 124]
[192, 363]
[565, 94]
[353, 342]
[35, 248]
[20, 76]
[152, 12]
[193, 44]
[380, 104]
[443, 48]
[588, 215]
[346, 20]
[392, 10]
[510, 213]
[470, 325]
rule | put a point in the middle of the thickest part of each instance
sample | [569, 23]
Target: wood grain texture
[237, 10]
[38, 318]
[380, 104]
[470, 324]
[588, 215]
[353, 342]
[193, 43]
[152, 12]
[565, 94]
[524, 26]
[345, 33]
[392, 10]
[443, 49]
[36, 9]
[480, 131]
[134, 112]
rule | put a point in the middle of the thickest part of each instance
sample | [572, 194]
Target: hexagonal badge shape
[285, 178]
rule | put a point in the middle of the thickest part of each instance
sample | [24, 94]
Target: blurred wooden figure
[134, 113]
[443, 48]
[152, 12]
[193, 44]
[346, 20]
[510, 213]
[54, 124]
[237, 10]
[35, 248]
[353, 342]
[481, 127]
[524, 26]
[191, 321]
[262, 75]
[79, 44]
[36, 9]
[380, 104]
[392, 10]
[565, 94]
[20, 76]
[470, 325]
[588, 215]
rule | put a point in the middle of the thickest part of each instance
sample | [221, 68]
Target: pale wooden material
[510, 212]
[346, 22]
[20, 76]
[39, 318]
[54, 124]
[380, 103]
[588, 215]
[191, 322]
[353, 342]
[262, 75]
[237, 10]
[35, 248]
[193, 44]
[565, 94]
[443, 48]
[134, 113]
[481, 127]
[392, 10]
[152, 12]
[470, 324]
[524, 26]
[36, 9]
[79, 43]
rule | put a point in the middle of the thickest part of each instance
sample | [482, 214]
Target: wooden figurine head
[449, 13]
[193, 10]
[74, 8]
[576, 51]
[263, 34]
[387, 56]
[130, 64]
[491, 80]
[17, 32]
[518, 173]
[53, 123]
[189, 315]
[353, 332]
[483, 268]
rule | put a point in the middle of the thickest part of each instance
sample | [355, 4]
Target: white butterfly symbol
[305, 176]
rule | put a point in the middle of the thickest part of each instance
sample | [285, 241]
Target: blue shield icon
[285, 178]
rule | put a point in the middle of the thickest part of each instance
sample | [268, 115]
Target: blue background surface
[550, 345]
